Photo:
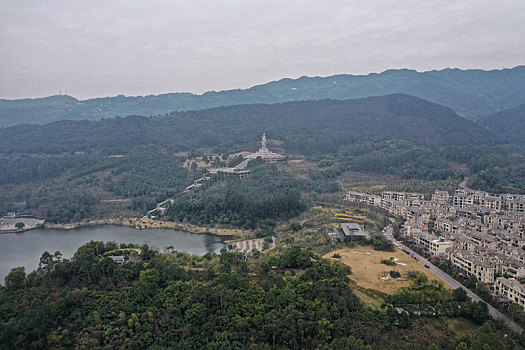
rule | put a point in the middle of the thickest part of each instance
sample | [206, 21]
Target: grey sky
[104, 47]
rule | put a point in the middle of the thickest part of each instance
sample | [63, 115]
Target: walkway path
[242, 165]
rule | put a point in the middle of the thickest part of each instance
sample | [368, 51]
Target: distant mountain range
[508, 124]
[306, 127]
[472, 94]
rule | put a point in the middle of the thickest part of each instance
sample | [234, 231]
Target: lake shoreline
[26, 248]
[144, 224]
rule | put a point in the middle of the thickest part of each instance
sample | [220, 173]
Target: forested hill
[471, 93]
[307, 127]
[508, 124]
[177, 301]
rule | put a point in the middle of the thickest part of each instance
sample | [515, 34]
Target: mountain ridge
[470, 93]
[508, 124]
[302, 125]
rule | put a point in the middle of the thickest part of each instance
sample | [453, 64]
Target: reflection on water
[25, 249]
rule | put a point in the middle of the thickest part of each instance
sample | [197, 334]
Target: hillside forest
[223, 302]
[71, 170]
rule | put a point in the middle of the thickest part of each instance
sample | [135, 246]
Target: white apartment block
[441, 197]
[510, 289]
[369, 199]
[471, 265]
[435, 246]
[399, 196]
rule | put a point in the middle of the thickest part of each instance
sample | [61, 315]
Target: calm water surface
[25, 249]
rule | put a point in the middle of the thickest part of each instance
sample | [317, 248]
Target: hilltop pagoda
[240, 170]
[265, 153]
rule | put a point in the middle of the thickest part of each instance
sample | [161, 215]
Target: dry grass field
[369, 273]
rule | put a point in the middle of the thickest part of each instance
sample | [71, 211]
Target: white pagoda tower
[265, 153]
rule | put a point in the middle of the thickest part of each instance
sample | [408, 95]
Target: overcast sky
[95, 48]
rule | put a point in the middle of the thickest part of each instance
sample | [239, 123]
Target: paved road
[452, 282]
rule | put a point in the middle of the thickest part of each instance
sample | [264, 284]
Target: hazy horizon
[134, 48]
[65, 93]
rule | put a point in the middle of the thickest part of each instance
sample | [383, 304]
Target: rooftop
[351, 229]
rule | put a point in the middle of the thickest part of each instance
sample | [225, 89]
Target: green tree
[48, 261]
[480, 312]
[483, 291]
[420, 280]
[395, 274]
[471, 282]
[20, 225]
[16, 279]
[460, 294]
[462, 346]
[486, 337]
[294, 226]
[516, 311]
[522, 339]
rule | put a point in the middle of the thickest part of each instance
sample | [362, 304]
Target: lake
[26, 248]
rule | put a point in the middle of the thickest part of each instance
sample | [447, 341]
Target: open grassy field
[369, 273]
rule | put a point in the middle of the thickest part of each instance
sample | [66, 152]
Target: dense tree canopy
[267, 194]
[164, 302]
[306, 127]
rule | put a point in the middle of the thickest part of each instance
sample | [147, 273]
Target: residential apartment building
[471, 265]
[441, 197]
[432, 244]
[511, 290]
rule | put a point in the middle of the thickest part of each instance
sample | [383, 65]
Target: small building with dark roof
[352, 231]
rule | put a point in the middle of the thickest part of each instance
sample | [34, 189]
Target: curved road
[452, 282]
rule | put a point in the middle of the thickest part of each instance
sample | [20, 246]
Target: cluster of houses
[481, 234]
